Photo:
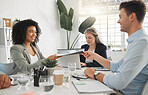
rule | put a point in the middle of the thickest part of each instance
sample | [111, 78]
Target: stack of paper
[90, 86]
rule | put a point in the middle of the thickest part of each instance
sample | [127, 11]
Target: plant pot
[51, 70]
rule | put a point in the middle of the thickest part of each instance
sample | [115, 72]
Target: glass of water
[14, 80]
[23, 79]
[67, 76]
[72, 66]
[46, 84]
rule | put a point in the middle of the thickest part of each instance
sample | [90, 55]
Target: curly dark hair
[136, 6]
[19, 31]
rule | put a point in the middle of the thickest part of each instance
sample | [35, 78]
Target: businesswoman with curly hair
[93, 44]
[25, 53]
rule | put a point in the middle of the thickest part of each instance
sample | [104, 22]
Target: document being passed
[91, 86]
[65, 52]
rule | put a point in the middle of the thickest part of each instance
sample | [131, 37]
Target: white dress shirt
[131, 72]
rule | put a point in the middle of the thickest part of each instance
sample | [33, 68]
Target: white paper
[91, 86]
[70, 52]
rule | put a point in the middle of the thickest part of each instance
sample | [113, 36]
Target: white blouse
[33, 58]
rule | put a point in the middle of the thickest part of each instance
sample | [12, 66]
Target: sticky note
[80, 83]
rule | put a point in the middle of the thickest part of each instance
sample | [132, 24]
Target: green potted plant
[66, 23]
[65, 19]
[50, 64]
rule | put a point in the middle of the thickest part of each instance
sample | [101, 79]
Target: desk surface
[65, 89]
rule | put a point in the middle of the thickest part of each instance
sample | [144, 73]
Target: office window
[107, 14]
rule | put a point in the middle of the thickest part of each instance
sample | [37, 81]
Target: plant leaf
[50, 63]
[65, 22]
[86, 24]
[71, 12]
[61, 7]
[69, 28]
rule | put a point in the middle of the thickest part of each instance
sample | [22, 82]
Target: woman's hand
[4, 81]
[88, 54]
[59, 66]
[52, 57]
[83, 64]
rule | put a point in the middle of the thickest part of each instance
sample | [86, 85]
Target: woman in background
[93, 44]
[25, 53]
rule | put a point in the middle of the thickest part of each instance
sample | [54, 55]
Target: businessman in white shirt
[4, 81]
[131, 72]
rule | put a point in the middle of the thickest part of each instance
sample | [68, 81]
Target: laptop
[75, 58]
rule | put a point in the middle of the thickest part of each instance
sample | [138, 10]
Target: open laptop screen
[75, 58]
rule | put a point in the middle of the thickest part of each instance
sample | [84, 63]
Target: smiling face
[31, 34]
[124, 21]
[90, 39]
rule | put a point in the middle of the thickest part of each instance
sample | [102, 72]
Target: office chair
[145, 89]
[7, 68]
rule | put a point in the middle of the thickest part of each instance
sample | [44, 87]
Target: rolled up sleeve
[129, 67]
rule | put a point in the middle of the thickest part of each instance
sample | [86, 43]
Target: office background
[45, 12]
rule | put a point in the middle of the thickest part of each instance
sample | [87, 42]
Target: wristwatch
[95, 74]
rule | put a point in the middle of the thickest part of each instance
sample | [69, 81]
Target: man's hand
[4, 81]
[83, 64]
[89, 72]
[88, 54]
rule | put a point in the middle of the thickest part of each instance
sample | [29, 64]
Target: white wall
[46, 14]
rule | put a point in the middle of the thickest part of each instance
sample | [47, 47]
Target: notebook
[91, 86]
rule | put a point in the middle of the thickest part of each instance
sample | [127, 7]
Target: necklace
[29, 47]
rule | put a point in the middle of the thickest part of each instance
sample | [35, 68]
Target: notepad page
[90, 86]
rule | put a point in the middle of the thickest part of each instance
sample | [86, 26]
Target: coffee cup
[58, 77]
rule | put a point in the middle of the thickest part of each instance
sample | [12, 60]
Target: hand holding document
[69, 52]
[52, 57]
